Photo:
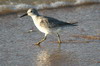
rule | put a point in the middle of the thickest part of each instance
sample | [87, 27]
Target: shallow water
[12, 6]
[17, 44]
[30, 1]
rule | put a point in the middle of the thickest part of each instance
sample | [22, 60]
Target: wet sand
[77, 49]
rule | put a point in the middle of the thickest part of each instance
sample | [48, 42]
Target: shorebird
[47, 25]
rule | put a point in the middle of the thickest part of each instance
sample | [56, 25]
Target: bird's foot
[59, 42]
[38, 43]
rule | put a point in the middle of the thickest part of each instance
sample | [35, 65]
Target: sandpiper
[47, 25]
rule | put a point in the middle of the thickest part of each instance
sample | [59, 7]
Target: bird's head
[30, 12]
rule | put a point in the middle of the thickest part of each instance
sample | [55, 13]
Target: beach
[80, 45]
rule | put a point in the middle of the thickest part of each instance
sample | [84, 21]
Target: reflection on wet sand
[56, 57]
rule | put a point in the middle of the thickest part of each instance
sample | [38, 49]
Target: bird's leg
[44, 38]
[59, 41]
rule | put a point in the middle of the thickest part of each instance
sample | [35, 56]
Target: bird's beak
[23, 15]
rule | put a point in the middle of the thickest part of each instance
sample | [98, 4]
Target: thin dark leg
[59, 41]
[38, 43]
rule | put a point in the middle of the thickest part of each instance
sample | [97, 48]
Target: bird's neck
[34, 16]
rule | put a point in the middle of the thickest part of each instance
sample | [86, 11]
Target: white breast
[42, 29]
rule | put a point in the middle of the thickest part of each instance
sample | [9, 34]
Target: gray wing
[57, 23]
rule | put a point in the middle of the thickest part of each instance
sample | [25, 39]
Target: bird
[47, 25]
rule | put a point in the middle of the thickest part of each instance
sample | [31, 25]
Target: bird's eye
[31, 11]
